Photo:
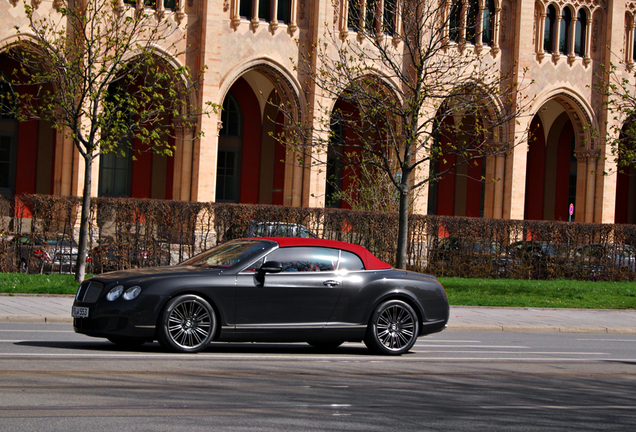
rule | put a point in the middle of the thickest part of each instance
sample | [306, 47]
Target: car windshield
[227, 254]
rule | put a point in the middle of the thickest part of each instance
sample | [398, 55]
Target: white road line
[473, 346]
[325, 358]
[36, 331]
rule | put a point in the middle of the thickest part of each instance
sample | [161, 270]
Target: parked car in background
[268, 229]
[46, 254]
[468, 256]
[111, 255]
[536, 260]
[597, 258]
[273, 289]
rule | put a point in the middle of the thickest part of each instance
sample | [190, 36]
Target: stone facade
[250, 61]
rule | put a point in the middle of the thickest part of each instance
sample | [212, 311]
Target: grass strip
[558, 293]
[18, 283]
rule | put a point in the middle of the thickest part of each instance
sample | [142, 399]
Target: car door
[302, 296]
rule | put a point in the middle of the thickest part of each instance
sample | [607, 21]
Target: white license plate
[79, 312]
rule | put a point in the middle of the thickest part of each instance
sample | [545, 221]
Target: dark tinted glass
[350, 261]
[305, 259]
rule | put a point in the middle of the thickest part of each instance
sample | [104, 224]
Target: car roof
[371, 262]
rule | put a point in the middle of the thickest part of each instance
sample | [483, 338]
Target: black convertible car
[265, 290]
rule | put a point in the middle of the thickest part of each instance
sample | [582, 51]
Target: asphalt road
[54, 380]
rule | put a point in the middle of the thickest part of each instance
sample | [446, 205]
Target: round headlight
[132, 293]
[114, 293]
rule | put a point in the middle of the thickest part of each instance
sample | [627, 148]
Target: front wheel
[393, 328]
[187, 324]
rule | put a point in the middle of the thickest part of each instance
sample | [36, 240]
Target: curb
[36, 319]
[541, 329]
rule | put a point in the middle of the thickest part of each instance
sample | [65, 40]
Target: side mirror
[268, 267]
[271, 267]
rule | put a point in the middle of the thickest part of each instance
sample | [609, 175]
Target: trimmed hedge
[130, 232]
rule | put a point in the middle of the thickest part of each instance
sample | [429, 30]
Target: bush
[128, 232]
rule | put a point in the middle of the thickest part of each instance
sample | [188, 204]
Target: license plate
[79, 312]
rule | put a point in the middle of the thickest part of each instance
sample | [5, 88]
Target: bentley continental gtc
[275, 289]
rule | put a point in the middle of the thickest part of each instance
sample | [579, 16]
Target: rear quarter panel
[363, 291]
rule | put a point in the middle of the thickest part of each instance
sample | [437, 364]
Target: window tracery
[269, 12]
[565, 29]
[474, 22]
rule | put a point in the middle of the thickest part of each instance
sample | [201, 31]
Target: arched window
[353, 17]
[264, 9]
[564, 36]
[488, 23]
[579, 33]
[115, 168]
[8, 137]
[228, 174]
[388, 16]
[245, 9]
[371, 12]
[284, 11]
[548, 34]
[455, 21]
[471, 21]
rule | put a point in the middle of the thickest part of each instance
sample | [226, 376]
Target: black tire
[187, 324]
[325, 345]
[127, 343]
[393, 328]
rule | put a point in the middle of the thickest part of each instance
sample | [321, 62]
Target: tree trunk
[403, 223]
[82, 251]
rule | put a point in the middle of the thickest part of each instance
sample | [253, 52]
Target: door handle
[331, 283]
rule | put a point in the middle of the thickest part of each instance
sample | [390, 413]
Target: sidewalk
[57, 309]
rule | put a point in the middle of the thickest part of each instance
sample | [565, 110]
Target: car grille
[89, 292]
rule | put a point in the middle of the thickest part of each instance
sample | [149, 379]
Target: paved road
[52, 379]
[56, 309]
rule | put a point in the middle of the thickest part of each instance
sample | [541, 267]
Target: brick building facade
[251, 50]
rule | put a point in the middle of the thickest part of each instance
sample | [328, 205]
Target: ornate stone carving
[226, 5]
[179, 15]
[36, 3]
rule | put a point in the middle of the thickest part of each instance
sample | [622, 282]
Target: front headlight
[114, 293]
[132, 293]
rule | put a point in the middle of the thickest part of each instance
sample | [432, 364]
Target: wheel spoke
[395, 327]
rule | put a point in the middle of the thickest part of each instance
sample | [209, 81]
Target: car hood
[149, 273]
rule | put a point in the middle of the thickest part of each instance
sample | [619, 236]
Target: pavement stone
[24, 308]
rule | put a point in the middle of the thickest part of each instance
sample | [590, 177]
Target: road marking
[293, 357]
[35, 331]
[474, 346]
[609, 340]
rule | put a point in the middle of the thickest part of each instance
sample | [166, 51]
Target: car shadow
[215, 347]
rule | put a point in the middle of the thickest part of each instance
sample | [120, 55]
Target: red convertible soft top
[370, 261]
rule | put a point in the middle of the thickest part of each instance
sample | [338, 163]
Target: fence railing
[38, 234]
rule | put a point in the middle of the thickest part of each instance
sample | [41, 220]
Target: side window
[305, 259]
[350, 261]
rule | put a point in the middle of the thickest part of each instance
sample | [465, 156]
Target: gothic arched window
[579, 33]
[548, 34]
[564, 33]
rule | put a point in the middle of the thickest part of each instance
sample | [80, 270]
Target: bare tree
[616, 85]
[92, 69]
[414, 84]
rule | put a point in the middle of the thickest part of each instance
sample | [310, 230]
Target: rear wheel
[187, 324]
[393, 328]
